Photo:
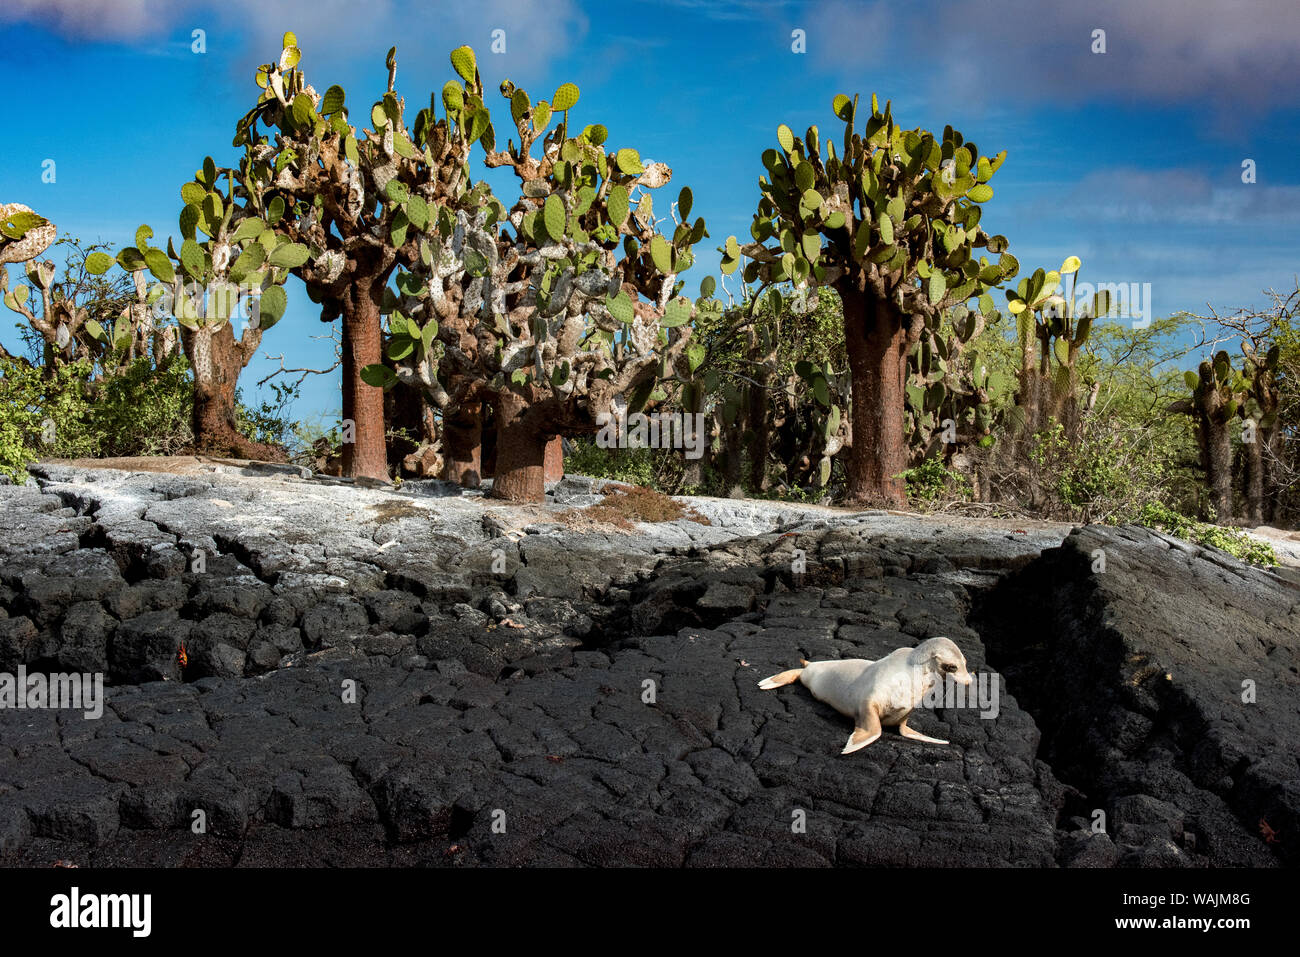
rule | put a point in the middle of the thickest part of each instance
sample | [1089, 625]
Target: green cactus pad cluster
[1047, 313]
[947, 383]
[829, 394]
[562, 292]
[903, 205]
[1218, 389]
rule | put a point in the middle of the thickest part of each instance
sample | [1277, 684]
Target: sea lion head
[942, 657]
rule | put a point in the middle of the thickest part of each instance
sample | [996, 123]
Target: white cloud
[80, 19]
[1174, 197]
[536, 33]
[1237, 56]
[733, 9]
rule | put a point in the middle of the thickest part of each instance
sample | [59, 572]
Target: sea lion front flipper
[915, 735]
[868, 730]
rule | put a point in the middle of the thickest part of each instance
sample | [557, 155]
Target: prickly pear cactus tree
[891, 220]
[356, 193]
[1261, 436]
[1051, 329]
[557, 311]
[88, 313]
[948, 387]
[230, 269]
[1218, 393]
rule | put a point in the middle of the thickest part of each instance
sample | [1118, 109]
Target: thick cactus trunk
[216, 360]
[1254, 482]
[462, 445]
[1218, 463]
[1210, 408]
[1263, 455]
[412, 436]
[468, 462]
[756, 414]
[363, 404]
[553, 469]
[520, 474]
[693, 470]
[732, 452]
[877, 347]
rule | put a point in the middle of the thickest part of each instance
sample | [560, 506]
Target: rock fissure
[524, 691]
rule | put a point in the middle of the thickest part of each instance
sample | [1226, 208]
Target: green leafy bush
[1234, 541]
[42, 416]
[144, 410]
[141, 411]
[13, 451]
[1109, 475]
[633, 466]
[932, 482]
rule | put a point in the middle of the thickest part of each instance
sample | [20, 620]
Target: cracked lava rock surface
[424, 677]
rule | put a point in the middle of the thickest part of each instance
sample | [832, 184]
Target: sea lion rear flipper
[915, 735]
[868, 730]
[784, 678]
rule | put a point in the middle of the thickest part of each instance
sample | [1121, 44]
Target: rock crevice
[381, 678]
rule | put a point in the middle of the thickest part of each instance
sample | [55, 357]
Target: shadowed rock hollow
[531, 688]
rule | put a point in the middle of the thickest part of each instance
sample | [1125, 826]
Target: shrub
[633, 466]
[1234, 541]
[1109, 475]
[42, 416]
[932, 482]
[144, 410]
[141, 411]
[13, 452]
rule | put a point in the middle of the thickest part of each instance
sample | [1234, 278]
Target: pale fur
[878, 693]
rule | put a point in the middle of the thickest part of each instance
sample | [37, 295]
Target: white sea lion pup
[879, 693]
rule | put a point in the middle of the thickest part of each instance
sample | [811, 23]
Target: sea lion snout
[944, 657]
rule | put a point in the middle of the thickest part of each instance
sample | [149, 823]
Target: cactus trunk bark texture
[877, 346]
[1252, 452]
[1261, 475]
[462, 445]
[216, 360]
[363, 404]
[732, 452]
[553, 470]
[1218, 467]
[520, 474]
[757, 413]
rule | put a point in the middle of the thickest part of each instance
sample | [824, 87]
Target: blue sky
[1130, 159]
